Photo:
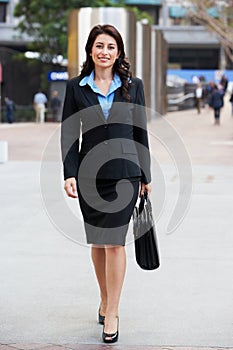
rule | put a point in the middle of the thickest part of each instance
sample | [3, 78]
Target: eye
[98, 46]
[111, 47]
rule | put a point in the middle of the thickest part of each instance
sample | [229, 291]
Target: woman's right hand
[71, 187]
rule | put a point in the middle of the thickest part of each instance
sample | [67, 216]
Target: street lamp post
[164, 9]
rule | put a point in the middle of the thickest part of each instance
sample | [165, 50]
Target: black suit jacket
[115, 148]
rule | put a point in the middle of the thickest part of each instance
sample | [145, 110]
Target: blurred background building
[190, 46]
[21, 71]
[14, 72]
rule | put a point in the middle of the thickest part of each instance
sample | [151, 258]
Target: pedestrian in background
[208, 92]
[195, 79]
[231, 101]
[199, 96]
[40, 101]
[55, 104]
[216, 102]
[10, 109]
[106, 79]
[224, 82]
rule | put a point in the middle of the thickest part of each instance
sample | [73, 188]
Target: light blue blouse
[104, 100]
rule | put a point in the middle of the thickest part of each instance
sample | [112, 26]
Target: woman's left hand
[145, 188]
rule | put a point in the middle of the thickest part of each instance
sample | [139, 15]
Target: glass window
[194, 58]
[3, 12]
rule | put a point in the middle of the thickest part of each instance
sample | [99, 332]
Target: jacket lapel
[117, 98]
[93, 101]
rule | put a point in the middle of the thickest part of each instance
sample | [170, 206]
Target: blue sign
[58, 76]
[207, 74]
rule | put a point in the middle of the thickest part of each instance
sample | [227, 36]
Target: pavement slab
[37, 346]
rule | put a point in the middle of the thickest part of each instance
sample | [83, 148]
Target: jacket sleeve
[140, 133]
[70, 133]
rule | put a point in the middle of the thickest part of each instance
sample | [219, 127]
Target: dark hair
[121, 65]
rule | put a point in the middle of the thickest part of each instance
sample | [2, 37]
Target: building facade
[190, 46]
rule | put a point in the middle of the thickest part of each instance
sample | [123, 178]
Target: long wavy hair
[121, 65]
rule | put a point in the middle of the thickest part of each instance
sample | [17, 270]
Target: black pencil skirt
[107, 206]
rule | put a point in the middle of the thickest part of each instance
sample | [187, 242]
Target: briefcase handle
[143, 199]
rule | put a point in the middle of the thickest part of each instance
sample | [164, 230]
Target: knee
[114, 250]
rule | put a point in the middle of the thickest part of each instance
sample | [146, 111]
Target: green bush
[24, 114]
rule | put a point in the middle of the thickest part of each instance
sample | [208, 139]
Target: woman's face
[104, 51]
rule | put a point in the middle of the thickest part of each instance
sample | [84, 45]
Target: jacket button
[105, 142]
[105, 126]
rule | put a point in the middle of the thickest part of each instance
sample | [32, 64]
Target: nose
[104, 50]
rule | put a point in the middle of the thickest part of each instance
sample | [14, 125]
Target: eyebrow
[100, 42]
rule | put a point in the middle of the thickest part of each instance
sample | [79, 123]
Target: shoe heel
[101, 318]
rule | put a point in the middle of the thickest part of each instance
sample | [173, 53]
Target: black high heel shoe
[101, 318]
[113, 337]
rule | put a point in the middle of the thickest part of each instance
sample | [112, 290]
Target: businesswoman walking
[106, 105]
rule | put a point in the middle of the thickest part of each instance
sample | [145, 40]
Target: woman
[109, 105]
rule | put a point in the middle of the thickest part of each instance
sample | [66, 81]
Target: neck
[103, 74]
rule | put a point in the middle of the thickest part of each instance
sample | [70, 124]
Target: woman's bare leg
[99, 261]
[115, 273]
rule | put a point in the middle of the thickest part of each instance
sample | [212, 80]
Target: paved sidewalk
[48, 295]
[37, 346]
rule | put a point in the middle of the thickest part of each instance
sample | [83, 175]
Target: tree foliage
[140, 15]
[46, 22]
[221, 23]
